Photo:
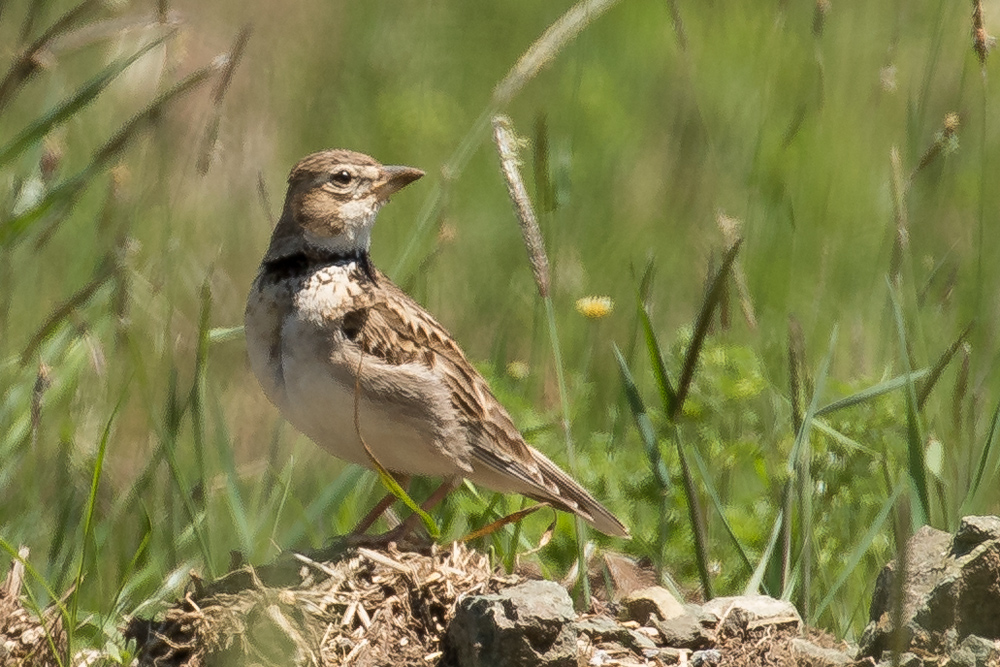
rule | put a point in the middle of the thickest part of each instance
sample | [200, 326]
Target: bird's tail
[568, 495]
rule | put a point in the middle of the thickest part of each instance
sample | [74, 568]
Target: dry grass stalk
[899, 186]
[819, 16]
[944, 142]
[218, 94]
[544, 49]
[31, 59]
[26, 640]
[982, 42]
[508, 144]
[730, 228]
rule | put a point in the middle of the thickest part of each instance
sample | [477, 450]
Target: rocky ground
[447, 607]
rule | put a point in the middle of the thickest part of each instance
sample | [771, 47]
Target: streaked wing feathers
[394, 328]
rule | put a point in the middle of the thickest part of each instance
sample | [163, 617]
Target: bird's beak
[395, 178]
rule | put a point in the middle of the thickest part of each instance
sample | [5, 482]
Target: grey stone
[975, 651]
[761, 608]
[530, 624]
[807, 654]
[951, 590]
[639, 642]
[602, 628]
[910, 660]
[926, 548]
[973, 531]
[683, 632]
[705, 658]
[977, 609]
[640, 604]
[669, 656]
[735, 622]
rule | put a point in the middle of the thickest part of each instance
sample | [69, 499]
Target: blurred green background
[124, 268]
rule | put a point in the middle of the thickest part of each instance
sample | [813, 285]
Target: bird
[355, 364]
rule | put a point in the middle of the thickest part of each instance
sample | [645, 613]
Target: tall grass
[742, 456]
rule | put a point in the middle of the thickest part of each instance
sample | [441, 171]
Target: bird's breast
[323, 384]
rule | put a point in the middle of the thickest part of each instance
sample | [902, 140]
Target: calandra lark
[364, 371]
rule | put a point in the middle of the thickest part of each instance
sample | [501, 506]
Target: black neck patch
[307, 261]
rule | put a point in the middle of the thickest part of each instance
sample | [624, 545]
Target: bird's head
[333, 197]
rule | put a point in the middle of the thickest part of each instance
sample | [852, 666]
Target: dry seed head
[595, 307]
[508, 145]
[951, 123]
[982, 42]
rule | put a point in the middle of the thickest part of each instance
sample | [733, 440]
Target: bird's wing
[393, 328]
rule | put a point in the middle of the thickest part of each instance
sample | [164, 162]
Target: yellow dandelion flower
[595, 307]
[518, 370]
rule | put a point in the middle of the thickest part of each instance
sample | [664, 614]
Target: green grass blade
[694, 517]
[66, 109]
[799, 470]
[711, 300]
[844, 440]
[642, 422]
[649, 442]
[914, 441]
[872, 392]
[63, 196]
[196, 399]
[667, 393]
[88, 527]
[175, 410]
[860, 549]
[33, 603]
[30, 569]
[938, 368]
[719, 508]
[390, 483]
[984, 458]
[757, 578]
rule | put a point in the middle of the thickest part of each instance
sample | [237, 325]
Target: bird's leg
[403, 530]
[439, 494]
[380, 508]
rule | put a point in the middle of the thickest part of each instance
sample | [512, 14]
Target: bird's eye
[342, 177]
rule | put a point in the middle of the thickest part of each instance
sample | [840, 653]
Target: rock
[807, 654]
[669, 656]
[639, 642]
[735, 622]
[973, 531]
[763, 610]
[640, 604]
[705, 658]
[683, 632]
[602, 628]
[977, 609]
[951, 590]
[974, 651]
[910, 660]
[530, 624]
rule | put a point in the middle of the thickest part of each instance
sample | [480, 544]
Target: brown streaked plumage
[328, 332]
